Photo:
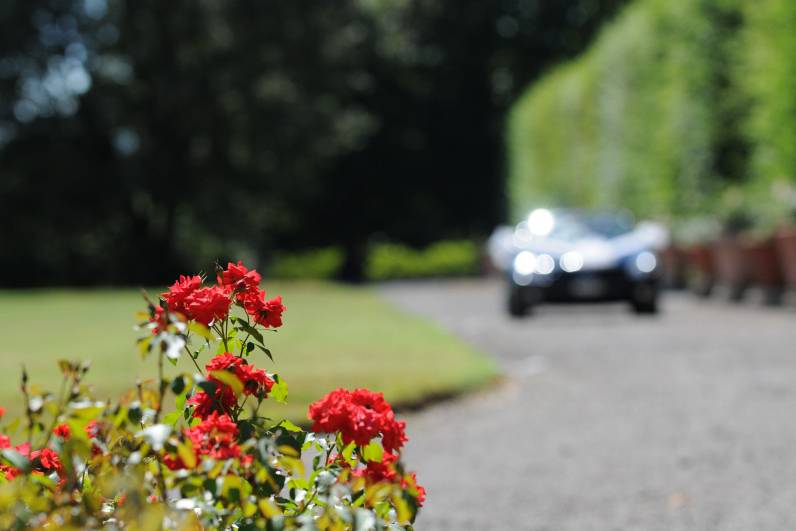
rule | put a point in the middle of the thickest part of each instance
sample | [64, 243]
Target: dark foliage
[330, 120]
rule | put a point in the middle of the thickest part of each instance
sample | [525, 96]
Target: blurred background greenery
[679, 110]
[334, 336]
[140, 139]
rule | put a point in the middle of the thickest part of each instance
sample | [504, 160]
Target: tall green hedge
[769, 79]
[675, 102]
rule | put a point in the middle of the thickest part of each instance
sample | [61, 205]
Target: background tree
[333, 121]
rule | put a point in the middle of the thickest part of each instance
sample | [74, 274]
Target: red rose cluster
[359, 416]
[236, 283]
[43, 462]
[255, 382]
[216, 437]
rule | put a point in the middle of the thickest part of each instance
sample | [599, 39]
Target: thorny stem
[248, 335]
[61, 403]
[190, 355]
[28, 412]
[140, 388]
[240, 408]
[161, 393]
[161, 387]
[221, 332]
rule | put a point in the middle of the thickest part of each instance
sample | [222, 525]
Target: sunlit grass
[334, 336]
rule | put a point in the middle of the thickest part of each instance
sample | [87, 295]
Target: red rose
[23, 449]
[267, 313]
[410, 481]
[9, 472]
[216, 436]
[48, 460]
[359, 416]
[222, 400]
[92, 429]
[180, 291]
[160, 319]
[377, 471]
[63, 431]
[255, 381]
[238, 278]
[223, 362]
[206, 305]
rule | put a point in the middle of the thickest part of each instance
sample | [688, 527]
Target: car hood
[599, 252]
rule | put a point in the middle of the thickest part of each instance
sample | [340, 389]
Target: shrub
[216, 461]
[321, 264]
[648, 118]
[443, 259]
[767, 75]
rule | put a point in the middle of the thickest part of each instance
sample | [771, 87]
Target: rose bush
[220, 458]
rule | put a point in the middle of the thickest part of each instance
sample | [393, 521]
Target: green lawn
[334, 336]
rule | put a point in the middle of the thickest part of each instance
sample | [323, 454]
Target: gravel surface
[611, 421]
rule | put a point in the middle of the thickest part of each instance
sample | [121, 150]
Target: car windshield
[570, 226]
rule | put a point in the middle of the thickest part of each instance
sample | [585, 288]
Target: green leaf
[172, 418]
[348, 451]
[234, 345]
[134, 414]
[16, 459]
[299, 483]
[243, 326]
[373, 452]
[235, 488]
[178, 385]
[279, 390]
[267, 352]
[289, 425]
[179, 402]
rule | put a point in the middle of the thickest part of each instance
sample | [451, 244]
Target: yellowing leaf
[249, 509]
[268, 508]
[229, 379]
[295, 466]
[143, 345]
[201, 330]
[403, 512]
[186, 453]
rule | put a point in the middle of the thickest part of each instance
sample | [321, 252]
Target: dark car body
[575, 256]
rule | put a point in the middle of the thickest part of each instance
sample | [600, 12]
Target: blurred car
[579, 256]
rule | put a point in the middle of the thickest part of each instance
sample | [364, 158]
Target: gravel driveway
[610, 421]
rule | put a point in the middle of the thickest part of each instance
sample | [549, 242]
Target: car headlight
[525, 263]
[545, 264]
[643, 263]
[571, 261]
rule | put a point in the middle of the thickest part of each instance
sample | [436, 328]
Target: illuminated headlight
[571, 261]
[645, 262]
[525, 263]
[545, 264]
